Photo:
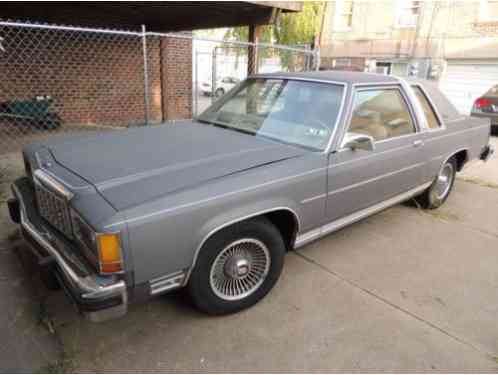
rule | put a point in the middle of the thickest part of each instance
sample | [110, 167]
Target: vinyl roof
[336, 76]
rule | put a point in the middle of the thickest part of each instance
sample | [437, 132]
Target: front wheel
[441, 188]
[237, 267]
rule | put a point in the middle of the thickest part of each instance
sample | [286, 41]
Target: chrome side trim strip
[340, 114]
[332, 165]
[311, 199]
[308, 237]
[374, 179]
[190, 204]
[165, 283]
[455, 132]
[314, 234]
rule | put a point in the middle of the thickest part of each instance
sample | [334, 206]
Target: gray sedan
[214, 204]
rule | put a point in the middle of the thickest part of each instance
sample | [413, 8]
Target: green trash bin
[34, 112]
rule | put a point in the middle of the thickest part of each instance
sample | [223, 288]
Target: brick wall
[177, 77]
[97, 78]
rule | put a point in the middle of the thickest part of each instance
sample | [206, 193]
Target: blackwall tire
[237, 267]
[438, 192]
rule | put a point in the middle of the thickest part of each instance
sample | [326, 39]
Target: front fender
[167, 234]
[238, 214]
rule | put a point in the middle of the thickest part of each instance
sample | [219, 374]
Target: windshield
[295, 112]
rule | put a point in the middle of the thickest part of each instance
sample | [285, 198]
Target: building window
[343, 15]
[408, 13]
[488, 10]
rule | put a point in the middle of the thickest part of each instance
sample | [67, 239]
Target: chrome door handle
[418, 143]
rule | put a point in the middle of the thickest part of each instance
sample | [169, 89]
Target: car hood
[136, 165]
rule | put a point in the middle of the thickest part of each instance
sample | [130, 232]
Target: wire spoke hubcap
[239, 269]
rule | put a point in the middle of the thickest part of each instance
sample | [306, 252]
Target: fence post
[317, 58]
[146, 76]
[213, 73]
[252, 53]
[196, 83]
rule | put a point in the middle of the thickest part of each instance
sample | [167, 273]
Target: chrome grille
[54, 209]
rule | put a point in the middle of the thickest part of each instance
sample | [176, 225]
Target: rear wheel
[237, 267]
[441, 188]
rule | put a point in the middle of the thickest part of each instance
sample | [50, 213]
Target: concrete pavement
[26, 343]
[404, 290]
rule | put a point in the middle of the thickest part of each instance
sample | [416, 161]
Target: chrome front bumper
[98, 298]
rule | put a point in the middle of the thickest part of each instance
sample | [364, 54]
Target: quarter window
[432, 119]
[381, 114]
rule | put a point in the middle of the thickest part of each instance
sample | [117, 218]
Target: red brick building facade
[98, 79]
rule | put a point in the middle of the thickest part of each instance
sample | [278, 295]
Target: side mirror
[356, 141]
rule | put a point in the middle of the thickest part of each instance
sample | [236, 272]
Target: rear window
[444, 107]
[432, 119]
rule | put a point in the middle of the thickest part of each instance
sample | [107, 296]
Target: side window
[432, 119]
[381, 114]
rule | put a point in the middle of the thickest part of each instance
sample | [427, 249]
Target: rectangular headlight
[84, 233]
[102, 249]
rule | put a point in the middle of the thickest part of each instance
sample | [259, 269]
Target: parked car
[487, 106]
[223, 85]
[214, 204]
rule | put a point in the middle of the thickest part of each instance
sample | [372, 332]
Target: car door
[358, 179]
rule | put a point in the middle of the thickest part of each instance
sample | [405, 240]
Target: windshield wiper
[225, 126]
[204, 121]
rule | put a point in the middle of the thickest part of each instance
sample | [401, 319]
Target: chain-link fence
[57, 79]
[220, 66]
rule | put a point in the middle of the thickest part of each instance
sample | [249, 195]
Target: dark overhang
[157, 16]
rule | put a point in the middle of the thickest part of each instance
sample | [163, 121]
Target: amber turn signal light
[110, 257]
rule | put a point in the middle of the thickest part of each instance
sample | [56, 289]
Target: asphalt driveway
[405, 290]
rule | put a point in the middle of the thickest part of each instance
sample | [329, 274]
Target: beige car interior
[384, 115]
